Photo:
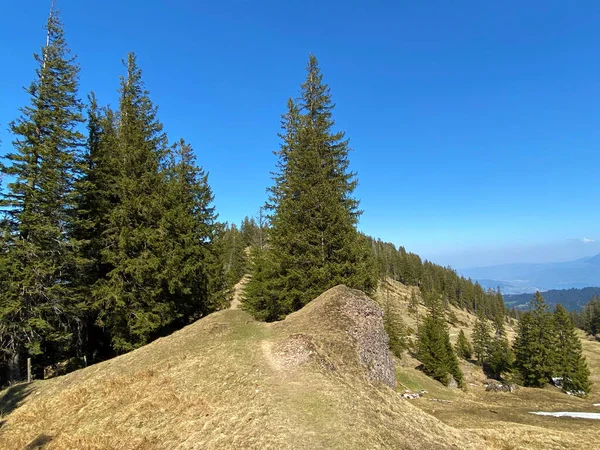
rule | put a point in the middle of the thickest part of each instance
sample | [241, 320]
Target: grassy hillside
[311, 381]
[230, 382]
[501, 419]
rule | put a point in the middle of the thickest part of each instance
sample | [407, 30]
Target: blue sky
[475, 125]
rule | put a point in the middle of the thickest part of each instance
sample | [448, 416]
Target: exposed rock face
[372, 340]
[451, 383]
[495, 386]
[341, 329]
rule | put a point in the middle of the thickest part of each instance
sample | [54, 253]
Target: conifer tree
[259, 298]
[314, 244]
[250, 231]
[464, 349]
[96, 197]
[535, 344]
[232, 255]
[97, 192]
[37, 312]
[481, 338]
[395, 328]
[500, 357]
[130, 300]
[591, 316]
[434, 348]
[571, 365]
[189, 223]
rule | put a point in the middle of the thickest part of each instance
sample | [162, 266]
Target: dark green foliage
[493, 352]
[259, 298]
[590, 316]
[572, 299]
[97, 192]
[395, 328]
[481, 339]
[146, 219]
[408, 268]
[102, 249]
[188, 220]
[96, 196]
[254, 230]
[570, 363]
[463, 347]
[38, 308]
[130, 298]
[313, 242]
[535, 344]
[500, 357]
[231, 250]
[434, 348]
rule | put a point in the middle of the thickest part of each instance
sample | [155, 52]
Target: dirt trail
[238, 291]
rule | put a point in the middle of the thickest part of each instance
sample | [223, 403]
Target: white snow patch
[596, 404]
[576, 415]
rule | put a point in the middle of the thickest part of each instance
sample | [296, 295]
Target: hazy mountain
[571, 299]
[526, 278]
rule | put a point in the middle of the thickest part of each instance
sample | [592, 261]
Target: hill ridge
[210, 385]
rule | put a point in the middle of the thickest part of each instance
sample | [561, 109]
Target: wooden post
[29, 370]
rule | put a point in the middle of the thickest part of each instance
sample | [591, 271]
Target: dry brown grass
[502, 420]
[229, 382]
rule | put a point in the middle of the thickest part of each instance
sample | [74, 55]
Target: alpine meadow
[133, 317]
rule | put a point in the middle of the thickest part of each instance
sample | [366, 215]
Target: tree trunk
[13, 372]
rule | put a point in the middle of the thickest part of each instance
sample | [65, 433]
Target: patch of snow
[576, 415]
[596, 404]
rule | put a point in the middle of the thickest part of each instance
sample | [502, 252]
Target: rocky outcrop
[495, 386]
[346, 328]
[371, 339]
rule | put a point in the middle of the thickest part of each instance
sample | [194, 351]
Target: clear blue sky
[475, 124]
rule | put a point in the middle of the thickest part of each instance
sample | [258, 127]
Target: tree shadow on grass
[39, 442]
[11, 398]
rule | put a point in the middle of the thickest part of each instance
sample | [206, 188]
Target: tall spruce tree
[591, 316]
[463, 347]
[232, 255]
[571, 365]
[188, 273]
[260, 294]
[131, 299]
[535, 344]
[97, 194]
[500, 356]
[97, 189]
[314, 244]
[481, 338]
[434, 348]
[37, 313]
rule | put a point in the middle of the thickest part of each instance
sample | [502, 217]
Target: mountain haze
[528, 278]
[572, 299]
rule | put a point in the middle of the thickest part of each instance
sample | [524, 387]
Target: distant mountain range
[528, 278]
[571, 299]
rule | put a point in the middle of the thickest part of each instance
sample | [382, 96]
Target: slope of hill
[318, 379]
[518, 278]
[228, 381]
[503, 420]
[571, 299]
